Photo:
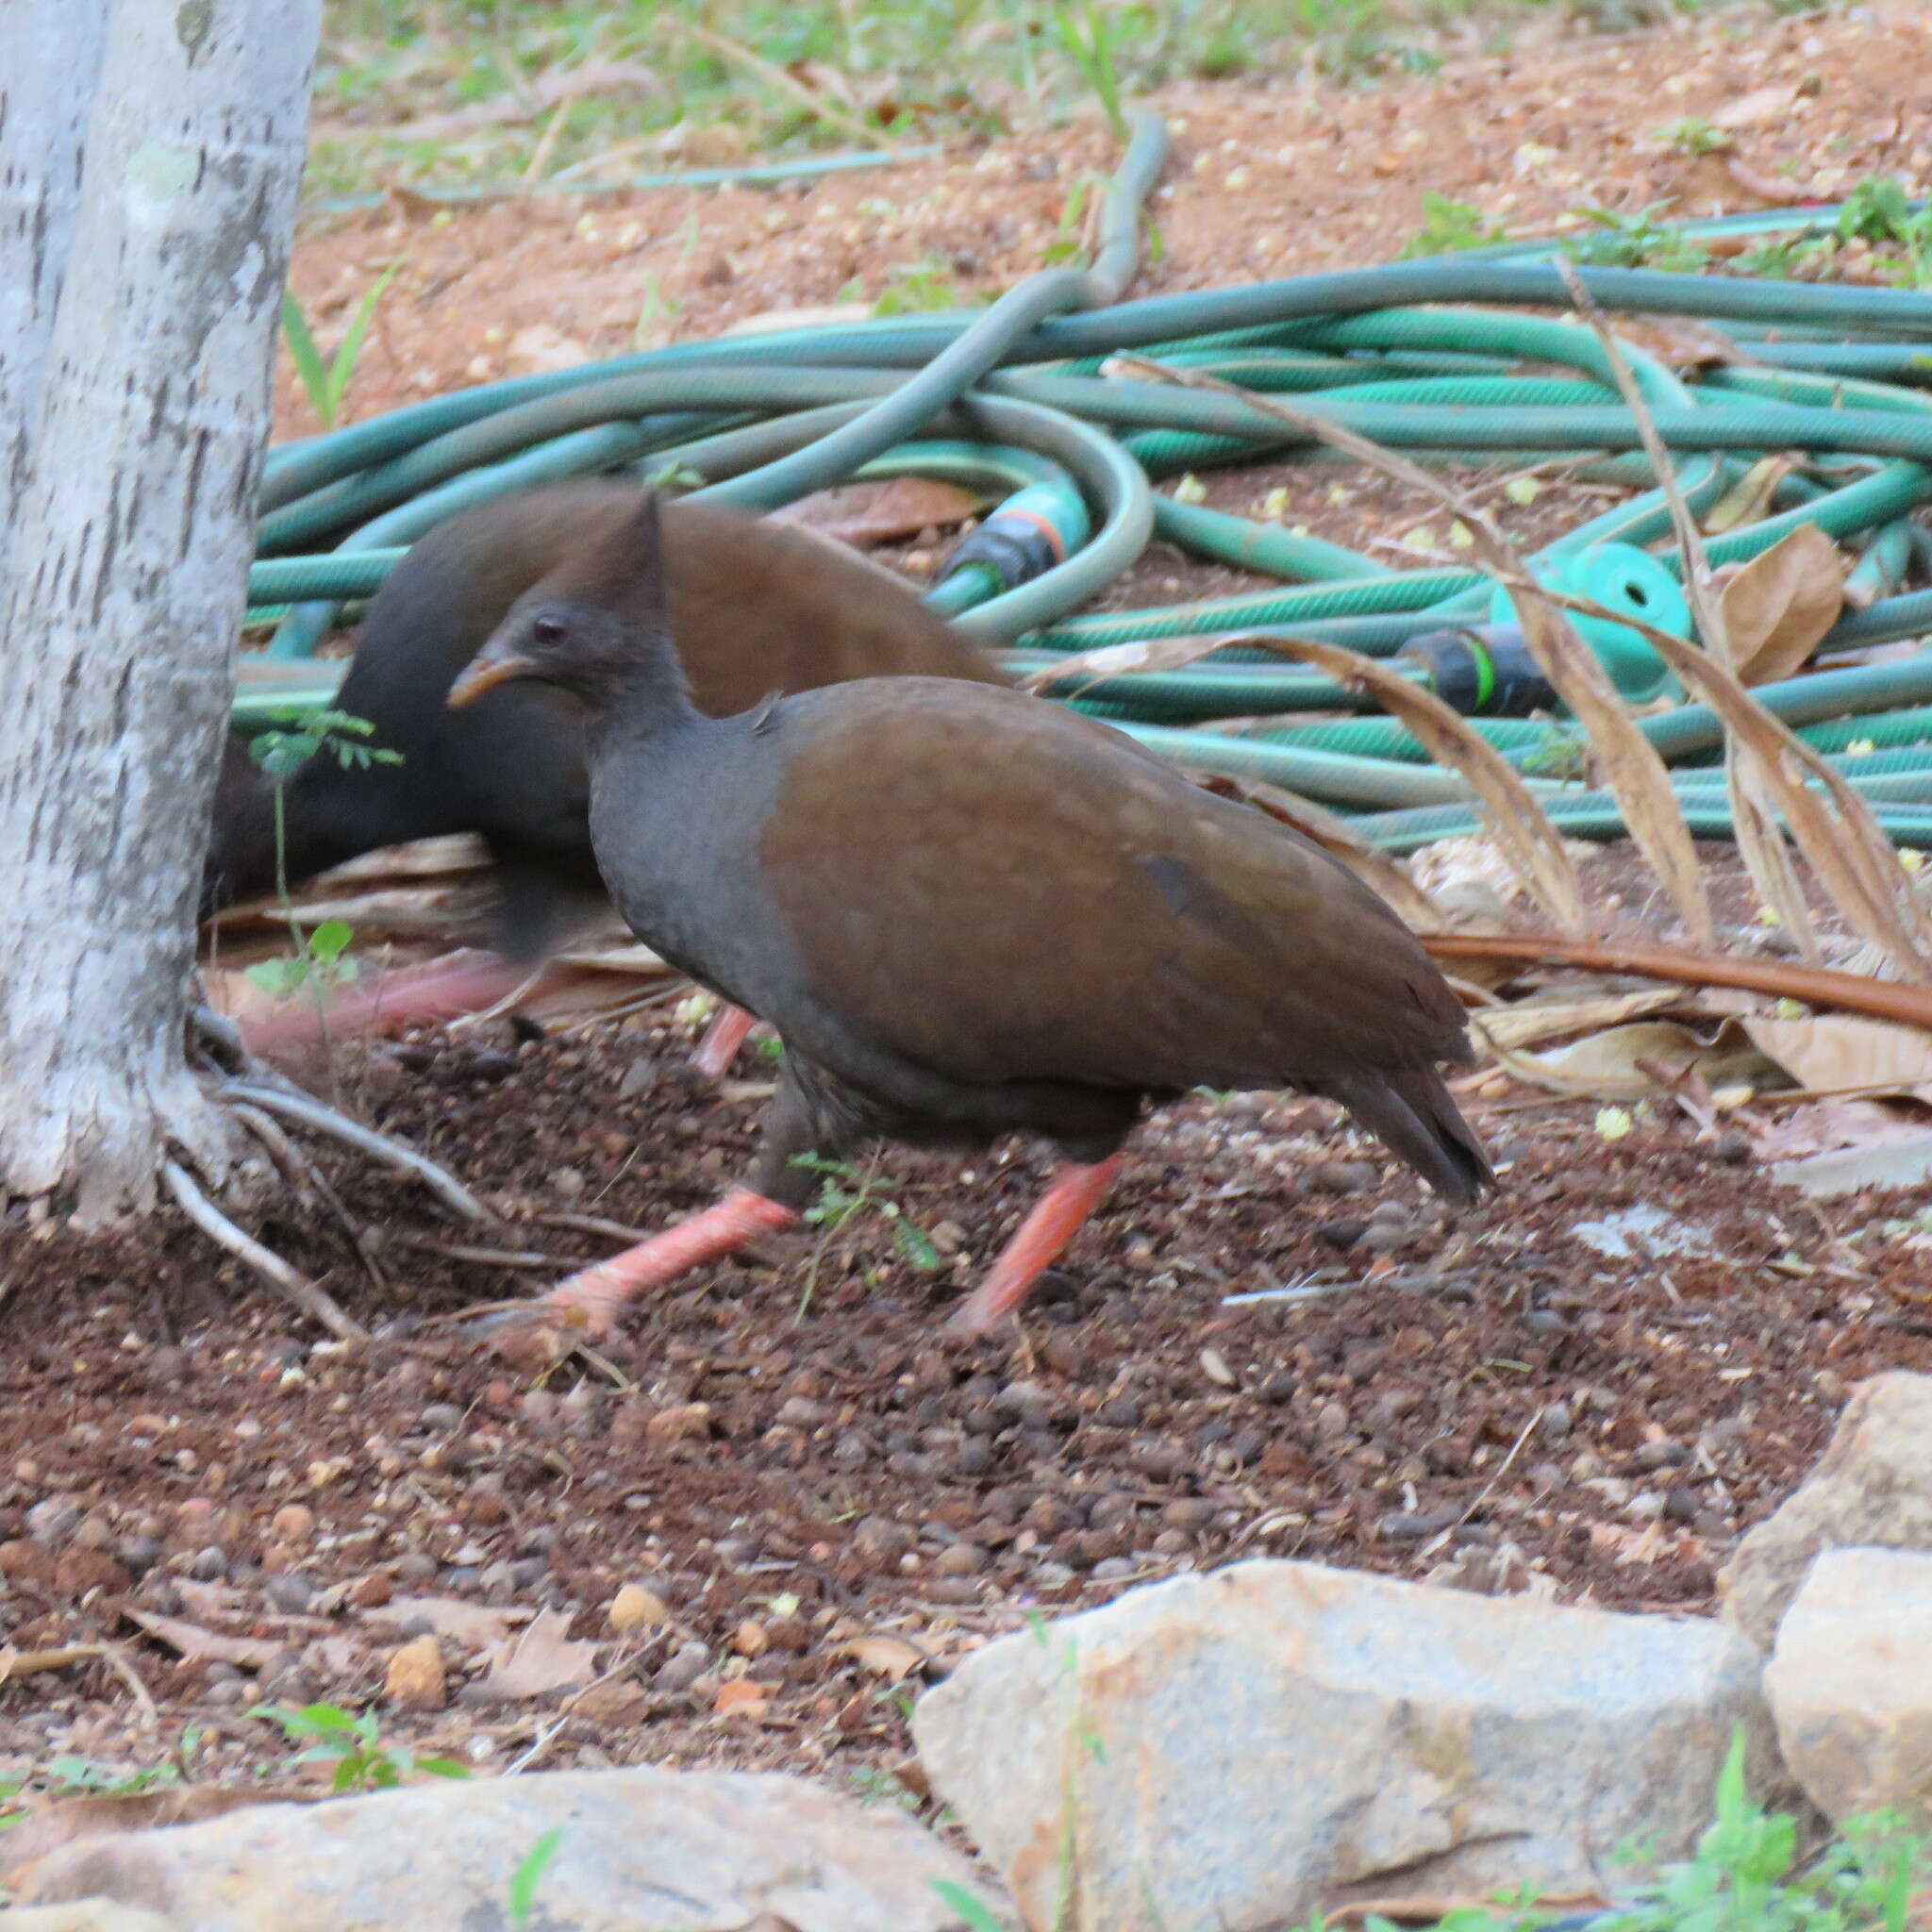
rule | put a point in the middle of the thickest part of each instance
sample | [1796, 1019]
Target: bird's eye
[547, 630]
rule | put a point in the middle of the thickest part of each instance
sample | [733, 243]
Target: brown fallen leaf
[1781, 602]
[893, 1659]
[1750, 497]
[741, 1697]
[472, 1624]
[1529, 1023]
[538, 1660]
[192, 1640]
[1838, 1053]
[1828, 1127]
[862, 514]
[1758, 107]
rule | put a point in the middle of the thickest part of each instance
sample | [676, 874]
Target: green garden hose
[1442, 359]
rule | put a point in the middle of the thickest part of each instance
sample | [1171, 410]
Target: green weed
[1449, 228]
[1638, 239]
[529, 1875]
[1090, 42]
[327, 383]
[1693, 136]
[355, 1745]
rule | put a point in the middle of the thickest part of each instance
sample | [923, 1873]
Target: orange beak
[486, 673]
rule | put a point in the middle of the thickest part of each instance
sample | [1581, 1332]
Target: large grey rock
[642, 1851]
[1239, 1749]
[1850, 1684]
[1872, 1486]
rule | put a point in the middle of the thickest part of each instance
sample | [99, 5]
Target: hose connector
[1622, 579]
[1032, 532]
[1483, 671]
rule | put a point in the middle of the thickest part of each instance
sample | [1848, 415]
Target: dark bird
[758, 608]
[966, 912]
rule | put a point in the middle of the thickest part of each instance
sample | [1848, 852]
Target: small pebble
[294, 1523]
[961, 1560]
[1342, 1178]
[416, 1566]
[1406, 1527]
[1680, 1505]
[415, 1679]
[53, 1521]
[1188, 1512]
[290, 1592]
[442, 1416]
[682, 1669]
[370, 1593]
[636, 1606]
[1115, 1569]
[751, 1638]
[209, 1565]
[141, 1553]
[1557, 1422]
[1340, 1235]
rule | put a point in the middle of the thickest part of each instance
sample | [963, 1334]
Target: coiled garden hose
[1023, 403]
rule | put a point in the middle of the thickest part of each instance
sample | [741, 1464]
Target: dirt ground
[1273, 1341]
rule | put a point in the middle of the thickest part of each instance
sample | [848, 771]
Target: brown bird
[966, 912]
[758, 607]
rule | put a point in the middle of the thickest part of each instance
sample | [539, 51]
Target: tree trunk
[41, 127]
[132, 527]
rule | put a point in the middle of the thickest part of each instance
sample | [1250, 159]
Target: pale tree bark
[40, 135]
[132, 527]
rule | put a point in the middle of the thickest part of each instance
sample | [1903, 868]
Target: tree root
[260, 1100]
[305, 1110]
[294, 1287]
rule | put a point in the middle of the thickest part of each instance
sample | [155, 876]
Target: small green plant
[1695, 137]
[1878, 210]
[1065, 245]
[68, 1777]
[1449, 228]
[1781, 256]
[528, 1875]
[972, 1911]
[1088, 38]
[320, 957]
[1637, 239]
[918, 287]
[363, 1761]
[326, 383]
[845, 1195]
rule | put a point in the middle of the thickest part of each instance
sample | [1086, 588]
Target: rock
[1850, 1684]
[292, 1592]
[642, 1850]
[87, 1915]
[415, 1678]
[1389, 1738]
[1873, 1485]
[636, 1606]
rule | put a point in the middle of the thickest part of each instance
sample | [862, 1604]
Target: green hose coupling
[1621, 577]
[1035, 528]
[1481, 669]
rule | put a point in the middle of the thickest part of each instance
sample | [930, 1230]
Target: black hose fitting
[1015, 548]
[1481, 669]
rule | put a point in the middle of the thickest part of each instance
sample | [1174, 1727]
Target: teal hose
[1440, 359]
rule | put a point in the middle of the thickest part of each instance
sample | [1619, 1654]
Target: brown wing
[1000, 889]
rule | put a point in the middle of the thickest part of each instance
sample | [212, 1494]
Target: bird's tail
[1411, 1113]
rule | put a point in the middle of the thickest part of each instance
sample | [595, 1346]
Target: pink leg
[592, 1298]
[423, 992]
[722, 1039]
[1039, 1241]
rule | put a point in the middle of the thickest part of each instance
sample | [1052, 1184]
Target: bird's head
[596, 628]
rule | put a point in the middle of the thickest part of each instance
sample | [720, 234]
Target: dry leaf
[540, 1659]
[1750, 497]
[474, 1625]
[1530, 1021]
[1616, 1064]
[192, 1640]
[1780, 604]
[1828, 1126]
[1834, 1053]
[741, 1697]
[862, 514]
[892, 1657]
[1508, 808]
[1762, 105]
